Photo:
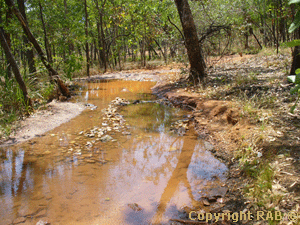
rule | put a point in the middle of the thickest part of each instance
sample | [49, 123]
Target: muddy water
[146, 177]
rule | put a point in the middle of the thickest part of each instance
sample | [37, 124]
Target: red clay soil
[217, 120]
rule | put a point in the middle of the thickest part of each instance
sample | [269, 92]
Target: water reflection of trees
[14, 179]
[154, 156]
[24, 177]
[149, 117]
[181, 161]
[179, 175]
[156, 163]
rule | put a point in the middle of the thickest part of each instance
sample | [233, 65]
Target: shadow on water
[147, 176]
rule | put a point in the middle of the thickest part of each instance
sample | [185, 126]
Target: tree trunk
[8, 40]
[101, 36]
[67, 30]
[95, 50]
[246, 35]
[296, 60]
[105, 57]
[53, 73]
[46, 42]
[162, 51]
[91, 53]
[252, 33]
[29, 52]
[296, 55]
[197, 70]
[87, 43]
[14, 66]
[282, 23]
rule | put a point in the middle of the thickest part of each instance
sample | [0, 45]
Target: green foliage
[48, 91]
[72, 64]
[295, 78]
[295, 90]
[12, 103]
[296, 22]
[292, 43]
[262, 175]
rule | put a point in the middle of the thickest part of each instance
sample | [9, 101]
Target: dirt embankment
[244, 112]
[219, 123]
[213, 118]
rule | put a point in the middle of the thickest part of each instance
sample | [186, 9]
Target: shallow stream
[142, 174]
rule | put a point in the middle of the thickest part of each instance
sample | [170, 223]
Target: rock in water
[125, 90]
[134, 206]
[106, 138]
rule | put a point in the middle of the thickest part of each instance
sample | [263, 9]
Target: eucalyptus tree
[100, 32]
[86, 28]
[28, 49]
[197, 70]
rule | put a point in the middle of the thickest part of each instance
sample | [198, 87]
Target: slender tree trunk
[246, 35]
[79, 50]
[149, 52]
[53, 52]
[53, 73]
[14, 66]
[162, 51]
[8, 40]
[277, 29]
[101, 36]
[66, 30]
[144, 43]
[153, 50]
[197, 70]
[105, 57]
[252, 33]
[46, 42]
[282, 23]
[91, 53]
[95, 50]
[29, 52]
[87, 43]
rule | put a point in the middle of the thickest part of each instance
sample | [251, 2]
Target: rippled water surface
[146, 177]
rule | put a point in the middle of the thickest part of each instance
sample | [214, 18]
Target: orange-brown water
[142, 178]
